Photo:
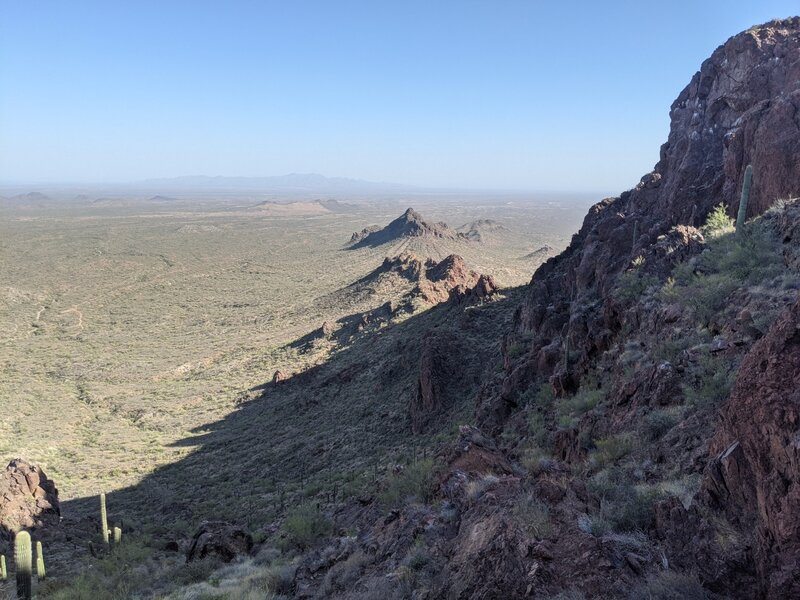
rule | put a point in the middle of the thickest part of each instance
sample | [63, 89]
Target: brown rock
[221, 540]
[279, 376]
[28, 499]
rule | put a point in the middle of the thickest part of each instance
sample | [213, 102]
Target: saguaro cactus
[748, 181]
[40, 572]
[23, 557]
[117, 536]
[104, 518]
[3, 571]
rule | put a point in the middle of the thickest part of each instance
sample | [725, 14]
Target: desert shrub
[630, 285]
[671, 349]
[537, 428]
[623, 506]
[304, 526]
[534, 515]
[414, 482]
[609, 450]
[659, 422]
[718, 221]
[685, 488]
[584, 400]
[343, 575]
[728, 263]
[669, 585]
[712, 383]
[567, 422]
[537, 396]
[634, 511]
[418, 557]
[535, 460]
[709, 293]
[477, 487]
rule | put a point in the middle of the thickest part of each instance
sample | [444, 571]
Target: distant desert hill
[479, 230]
[409, 225]
[29, 200]
[542, 253]
[291, 209]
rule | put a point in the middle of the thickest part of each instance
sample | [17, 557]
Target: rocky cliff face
[755, 476]
[739, 109]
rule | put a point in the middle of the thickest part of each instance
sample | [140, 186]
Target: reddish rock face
[28, 499]
[739, 109]
[755, 476]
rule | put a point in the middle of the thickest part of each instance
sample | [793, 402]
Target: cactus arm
[40, 571]
[748, 181]
[104, 518]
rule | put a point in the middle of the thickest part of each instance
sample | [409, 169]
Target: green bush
[630, 285]
[712, 383]
[585, 400]
[304, 526]
[659, 422]
[414, 482]
[718, 222]
[609, 450]
[728, 263]
[623, 506]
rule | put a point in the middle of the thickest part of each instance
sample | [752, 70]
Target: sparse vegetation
[304, 526]
[612, 448]
[412, 483]
[534, 515]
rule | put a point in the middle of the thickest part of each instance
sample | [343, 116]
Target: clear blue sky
[491, 94]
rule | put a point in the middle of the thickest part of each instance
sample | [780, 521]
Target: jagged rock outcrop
[755, 475]
[409, 224]
[439, 365]
[448, 275]
[28, 499]
[738, 109]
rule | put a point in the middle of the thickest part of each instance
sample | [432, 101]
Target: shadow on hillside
[321, 433]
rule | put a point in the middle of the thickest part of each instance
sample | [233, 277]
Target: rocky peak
[409, 224]
[739, 109]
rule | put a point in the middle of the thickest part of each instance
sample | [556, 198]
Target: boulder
[28, 499]
[221, 540]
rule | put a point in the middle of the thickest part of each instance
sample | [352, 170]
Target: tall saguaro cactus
[3, 571]
[748, 181]
[40, 572]
[23, 557]
[104, 518]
